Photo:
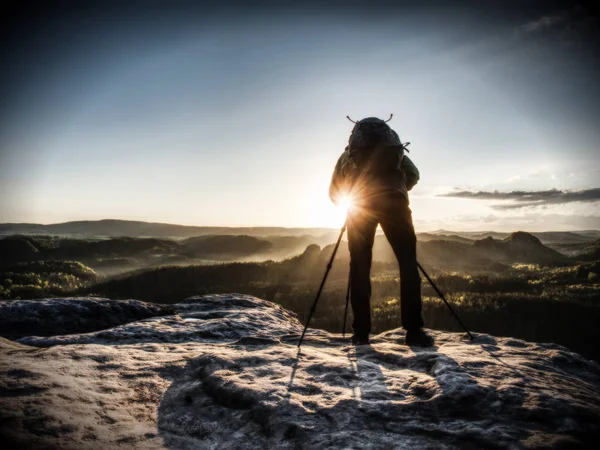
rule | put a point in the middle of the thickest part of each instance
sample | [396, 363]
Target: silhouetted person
[375, 175]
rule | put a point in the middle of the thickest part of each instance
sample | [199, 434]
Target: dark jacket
[385, 169]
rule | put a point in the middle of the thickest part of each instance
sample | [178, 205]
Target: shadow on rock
[259, 395]
[357, 398]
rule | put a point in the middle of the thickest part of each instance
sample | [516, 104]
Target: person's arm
[337, 187]
[410, 171]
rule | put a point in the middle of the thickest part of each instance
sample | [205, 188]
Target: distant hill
[442, 254]
[589, 252]
[519, 247]
[484, 254]
[473, 235]
[114, 228]
[115, 254]
[17, 248]
[26, 248]
[131, 228]
[225, 247]
[563, 237]
[425, 237]
[592, 234]
[546, 237]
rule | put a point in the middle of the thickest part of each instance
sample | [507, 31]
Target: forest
[505, 286]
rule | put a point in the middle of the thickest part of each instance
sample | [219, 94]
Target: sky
[235, 114]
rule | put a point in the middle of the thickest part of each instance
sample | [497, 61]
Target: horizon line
[441, 230]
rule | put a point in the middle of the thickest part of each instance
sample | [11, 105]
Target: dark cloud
[523, 199]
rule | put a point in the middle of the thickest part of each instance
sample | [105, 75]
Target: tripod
[330, 264]
[439, 293]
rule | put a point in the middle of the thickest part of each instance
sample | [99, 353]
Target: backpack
[374, 148]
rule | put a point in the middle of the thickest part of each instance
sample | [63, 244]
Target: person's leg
[361, 234]
[396, 222]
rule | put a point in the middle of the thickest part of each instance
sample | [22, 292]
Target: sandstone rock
[225, 372]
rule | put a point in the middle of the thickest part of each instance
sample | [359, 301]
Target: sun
[326, 214]
[344, 206]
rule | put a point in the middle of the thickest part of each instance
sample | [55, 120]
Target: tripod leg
[312, 309]
[346, 310]
[445, 301]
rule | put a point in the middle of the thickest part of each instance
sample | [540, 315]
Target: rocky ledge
[225, 372]
[55, 316]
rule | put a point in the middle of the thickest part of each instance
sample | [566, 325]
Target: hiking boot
[360, 340]
[418, 337]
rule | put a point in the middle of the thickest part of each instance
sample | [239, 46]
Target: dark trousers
[391, 211]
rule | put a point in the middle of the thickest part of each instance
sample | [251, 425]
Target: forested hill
[116, 254]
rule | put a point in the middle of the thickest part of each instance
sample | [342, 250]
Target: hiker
[376, 175]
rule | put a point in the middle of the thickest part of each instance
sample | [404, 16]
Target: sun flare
[344, 206]
[330, 215]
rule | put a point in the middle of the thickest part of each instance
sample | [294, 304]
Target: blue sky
[236, 118]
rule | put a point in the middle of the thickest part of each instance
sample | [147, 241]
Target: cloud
[575, 25]
[519, 205]
[529, 221]
[525, 199]
[541, 23]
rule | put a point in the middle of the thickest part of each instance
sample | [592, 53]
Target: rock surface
[225, 372]
[47, 317]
